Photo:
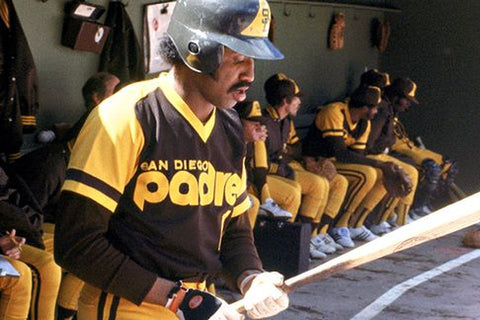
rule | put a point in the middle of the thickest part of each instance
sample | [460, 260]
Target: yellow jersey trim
[181, 106]
[91, 193]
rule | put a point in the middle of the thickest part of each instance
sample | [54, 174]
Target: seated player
[321, 199]
[287, 194]
[340, 132]
[379, 143]
[437, 171]
[34, 293]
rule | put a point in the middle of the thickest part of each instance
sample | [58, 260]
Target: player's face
[110, 86]
[231, 81]
[293, 106]
[402, 104]
[371, 112]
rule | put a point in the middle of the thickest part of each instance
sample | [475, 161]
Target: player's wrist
[245, 279]
[176, 296]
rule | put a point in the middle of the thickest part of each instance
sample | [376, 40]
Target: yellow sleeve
[105, 155]
[330, 121]
[361, 142]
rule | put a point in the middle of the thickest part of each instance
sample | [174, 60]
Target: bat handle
[239, 306]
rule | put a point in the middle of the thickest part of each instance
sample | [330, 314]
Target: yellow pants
[69, 293]
[315, 191]
[409, 169]
[402, 204]
[16, 293]
[416, 153]
[336, 196]
[70, 286]
[286, 193]
[96, 304]
[46, 276]
[364, 187]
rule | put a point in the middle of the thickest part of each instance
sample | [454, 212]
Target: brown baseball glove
[321, 166]
[396, 181]
[472, 239]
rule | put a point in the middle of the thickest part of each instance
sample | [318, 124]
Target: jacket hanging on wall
[18, 83]
[380, 34]
[121, 53]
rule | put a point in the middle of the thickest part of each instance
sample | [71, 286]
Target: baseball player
[321, 199]
[437, 171]
[379, 141]
[16, 291]
[155, 193]
[34, 293]
[270, 191]
[340, 131]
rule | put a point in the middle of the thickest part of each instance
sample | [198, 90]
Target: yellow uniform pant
[96, 304]
[364, 187]
[46, 276]
[69, 293]
[70, 286]
[417, 154]
[336, 196]
[16, 293]
[411, 171]
[403, 204]
[314, 190]
[286, 193]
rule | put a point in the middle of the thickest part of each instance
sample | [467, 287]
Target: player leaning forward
[155, 193]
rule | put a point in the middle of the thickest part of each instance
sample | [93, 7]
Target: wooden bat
[449, 219]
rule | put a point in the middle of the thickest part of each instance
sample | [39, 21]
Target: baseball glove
[472, 239]
[322, 166]
[396, 181]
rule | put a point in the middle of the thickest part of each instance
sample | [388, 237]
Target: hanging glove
[192, 304]
[265, 297]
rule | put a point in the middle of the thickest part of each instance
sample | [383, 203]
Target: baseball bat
[449, 219]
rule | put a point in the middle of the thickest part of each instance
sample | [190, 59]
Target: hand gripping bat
[449, 219]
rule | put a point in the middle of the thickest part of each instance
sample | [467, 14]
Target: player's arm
[83, 248]
[238, 252]
[347, 155]
[375, 142]
[259, 166]
[262, 293]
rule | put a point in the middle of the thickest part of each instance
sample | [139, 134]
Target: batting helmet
[200, 28]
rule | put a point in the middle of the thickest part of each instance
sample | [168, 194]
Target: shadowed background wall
[436, 43]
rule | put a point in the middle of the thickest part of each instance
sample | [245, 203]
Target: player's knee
[371, 175]
[321, 184]
[340, 182]
[23, 285]
[411, 171]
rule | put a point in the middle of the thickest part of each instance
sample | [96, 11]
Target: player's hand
[11, 245]
[265, 298]
[201, 305]
[253, 131]
[389, 168]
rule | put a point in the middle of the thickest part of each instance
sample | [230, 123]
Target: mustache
[240, 84]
